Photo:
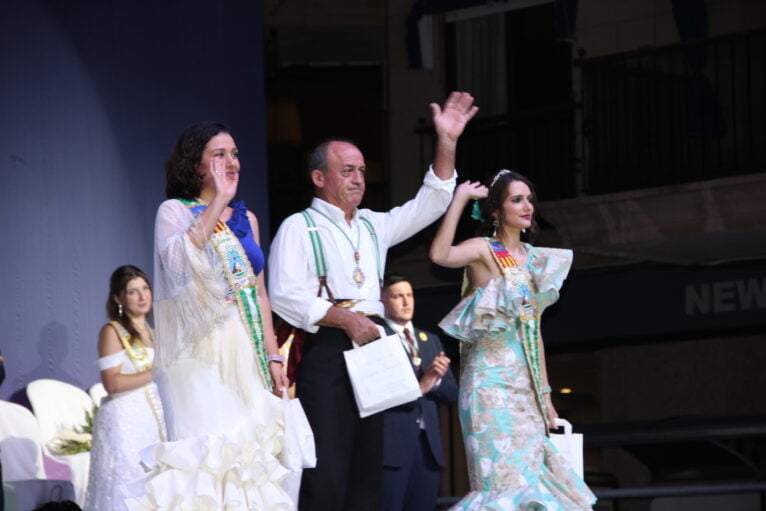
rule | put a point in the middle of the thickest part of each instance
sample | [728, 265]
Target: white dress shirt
[293, 282]
[399, 330]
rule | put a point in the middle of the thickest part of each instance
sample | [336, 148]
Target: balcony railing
[680, 113]
[653, 117]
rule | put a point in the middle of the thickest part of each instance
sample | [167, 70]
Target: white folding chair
[24, 483]
[97, 393]
[21, 449]
[58, 406]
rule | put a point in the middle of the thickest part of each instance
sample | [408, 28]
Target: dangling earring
[523, 230]
[119, 309]
[495, 223]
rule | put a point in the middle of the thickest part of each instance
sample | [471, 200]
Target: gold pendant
[358, 277]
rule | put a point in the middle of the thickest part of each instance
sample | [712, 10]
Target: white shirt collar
[332, 211]
[399, 329]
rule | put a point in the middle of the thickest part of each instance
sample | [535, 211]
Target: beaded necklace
[358, 274]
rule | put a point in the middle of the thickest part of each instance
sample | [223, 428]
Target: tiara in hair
[497, 176]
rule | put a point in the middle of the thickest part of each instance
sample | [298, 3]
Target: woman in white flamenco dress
[130, 417]
[217, 358]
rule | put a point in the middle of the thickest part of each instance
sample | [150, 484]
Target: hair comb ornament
[476, 212]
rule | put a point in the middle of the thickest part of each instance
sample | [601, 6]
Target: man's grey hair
[318, 157]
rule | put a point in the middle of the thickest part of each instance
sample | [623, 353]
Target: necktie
[416, 365]
[414, 349]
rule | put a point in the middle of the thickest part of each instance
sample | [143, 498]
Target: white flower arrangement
[74, 440]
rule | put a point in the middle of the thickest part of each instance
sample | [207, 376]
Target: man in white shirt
[325, 274]
[412, 447]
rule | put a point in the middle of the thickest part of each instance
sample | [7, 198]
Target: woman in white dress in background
[130, 417]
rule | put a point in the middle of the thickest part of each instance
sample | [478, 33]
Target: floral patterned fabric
[512, 464]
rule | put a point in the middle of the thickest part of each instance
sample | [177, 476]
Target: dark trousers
[349, 449]
[414, 486]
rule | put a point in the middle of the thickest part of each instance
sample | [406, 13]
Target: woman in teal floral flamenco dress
[505, 403]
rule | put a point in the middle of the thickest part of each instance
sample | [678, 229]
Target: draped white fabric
[225, 430]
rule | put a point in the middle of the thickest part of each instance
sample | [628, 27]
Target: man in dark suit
[412, 449]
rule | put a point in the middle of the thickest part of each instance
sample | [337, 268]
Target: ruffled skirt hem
[552, 487]
[233, 470]
[532, 498]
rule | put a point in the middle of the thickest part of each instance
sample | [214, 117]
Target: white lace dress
[125, 423]
[225, 429]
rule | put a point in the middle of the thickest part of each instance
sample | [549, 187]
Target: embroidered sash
[529, 316]
[242, 285]
[141, 362]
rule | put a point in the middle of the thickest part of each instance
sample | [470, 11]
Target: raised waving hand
[450, 120]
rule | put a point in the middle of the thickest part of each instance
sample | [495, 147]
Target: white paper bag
[299, 449]
[381, 374]
[569, 445]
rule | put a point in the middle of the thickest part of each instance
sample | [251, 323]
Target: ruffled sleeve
[238, 223]
[492, 309]
[549, 268]
[240, 226]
